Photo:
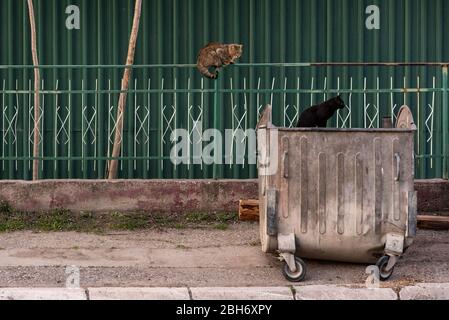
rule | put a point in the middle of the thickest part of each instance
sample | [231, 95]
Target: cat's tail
[205, 72]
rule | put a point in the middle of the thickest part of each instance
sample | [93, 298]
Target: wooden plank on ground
[433, 222]
[249, 210]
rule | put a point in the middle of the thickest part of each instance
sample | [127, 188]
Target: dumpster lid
[405, 119]
[265, 119]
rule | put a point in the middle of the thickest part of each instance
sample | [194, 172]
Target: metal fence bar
[445, 119]
[239, 65]
[217, 125]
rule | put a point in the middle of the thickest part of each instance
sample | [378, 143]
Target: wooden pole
[118, 139]
[36, 91]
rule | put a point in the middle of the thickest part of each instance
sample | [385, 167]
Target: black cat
[318, 115]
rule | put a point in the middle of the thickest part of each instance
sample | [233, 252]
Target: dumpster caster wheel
[299, 274]
[382, 264]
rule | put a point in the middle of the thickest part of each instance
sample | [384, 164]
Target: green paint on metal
[280, 40]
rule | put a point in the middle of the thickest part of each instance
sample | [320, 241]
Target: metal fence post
[445, 116]
[217, 167]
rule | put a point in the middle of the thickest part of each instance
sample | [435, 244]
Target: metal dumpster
[336, 194]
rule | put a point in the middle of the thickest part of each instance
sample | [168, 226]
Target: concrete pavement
[191, 258]
[167, 264]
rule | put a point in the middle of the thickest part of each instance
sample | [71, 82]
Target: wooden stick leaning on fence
[36, 91]
[118, 139]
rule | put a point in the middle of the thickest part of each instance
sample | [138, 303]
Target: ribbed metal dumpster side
[341, 192]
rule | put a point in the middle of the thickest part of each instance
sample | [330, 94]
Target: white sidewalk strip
[246, 293]
[332, 292]
[138, 294]
[426, 291]
[42, 294]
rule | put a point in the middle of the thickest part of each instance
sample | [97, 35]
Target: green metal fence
[79, 103]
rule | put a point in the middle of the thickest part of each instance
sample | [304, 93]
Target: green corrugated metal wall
[172, 31]
[272, 30]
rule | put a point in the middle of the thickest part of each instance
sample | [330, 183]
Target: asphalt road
[190, 257]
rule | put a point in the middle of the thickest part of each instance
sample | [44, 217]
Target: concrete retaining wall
[433, 195]
[163, 195]
[127, 195]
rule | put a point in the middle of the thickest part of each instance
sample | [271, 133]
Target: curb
[424, 291]
[332, 292]
[249, 293]
[138, 294]
[42, 294]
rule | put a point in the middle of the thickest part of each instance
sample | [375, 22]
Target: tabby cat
[217, 55]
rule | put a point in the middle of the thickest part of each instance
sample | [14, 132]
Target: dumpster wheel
[299, 274]
[382, 264]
